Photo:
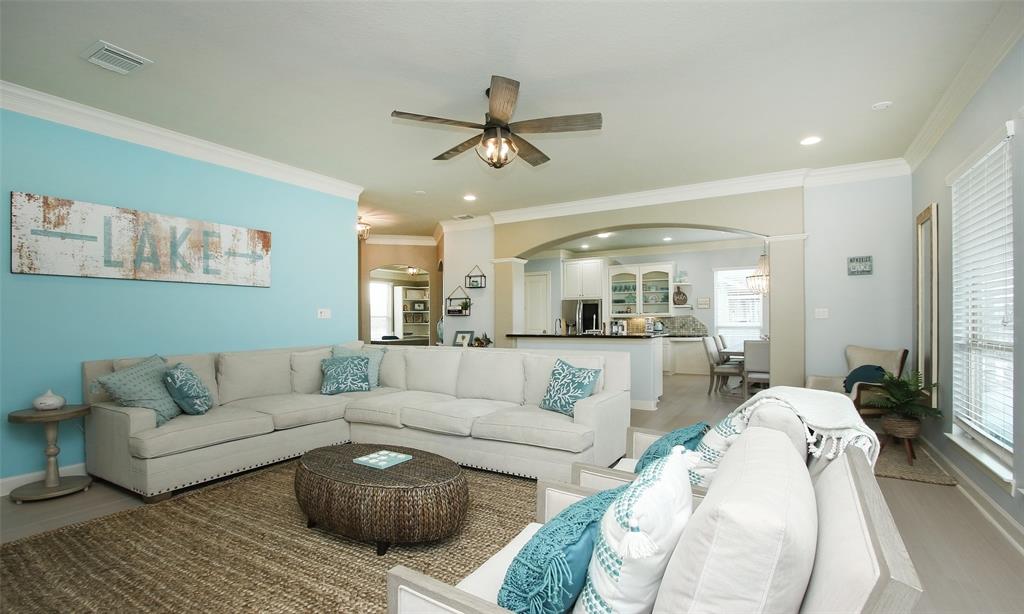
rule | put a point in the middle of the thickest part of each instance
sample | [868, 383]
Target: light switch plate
[821, 313]
[323, 314]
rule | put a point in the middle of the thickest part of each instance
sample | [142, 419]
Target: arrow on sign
[253, 256]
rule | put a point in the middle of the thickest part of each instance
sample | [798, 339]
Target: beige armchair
[892, 361]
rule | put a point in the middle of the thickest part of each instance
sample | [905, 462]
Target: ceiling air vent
[462, 217]
[112, 57]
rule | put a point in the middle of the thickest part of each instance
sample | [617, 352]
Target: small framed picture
[419, 306]
[462, 338]
[860, 265]
[704, 302]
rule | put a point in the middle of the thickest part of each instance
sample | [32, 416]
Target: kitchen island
[645, 358]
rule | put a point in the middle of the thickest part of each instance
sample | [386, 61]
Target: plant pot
[904, 428]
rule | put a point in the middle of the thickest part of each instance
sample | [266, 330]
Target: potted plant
[907, 404]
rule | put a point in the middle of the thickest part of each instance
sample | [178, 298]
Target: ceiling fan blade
[503, 94]
[436, 120]
[528, 152]
[461, 147]
[562, 123]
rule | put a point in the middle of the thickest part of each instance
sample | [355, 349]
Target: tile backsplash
[674, 325]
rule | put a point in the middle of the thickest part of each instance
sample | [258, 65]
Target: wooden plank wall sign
[56, 236]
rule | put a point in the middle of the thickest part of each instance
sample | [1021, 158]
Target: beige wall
[421, 256]
[773, 214]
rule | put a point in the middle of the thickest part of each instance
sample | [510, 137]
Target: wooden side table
[53, 485]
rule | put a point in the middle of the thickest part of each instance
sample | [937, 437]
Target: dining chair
[755, 364]
[719, 372]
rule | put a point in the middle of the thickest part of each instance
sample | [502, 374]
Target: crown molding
[999, 38]
[509, 261]
[780, 238]
[484, 221]
[851, 173]
[695, 191]
[401, 240]
[27, 101]
[679, 248]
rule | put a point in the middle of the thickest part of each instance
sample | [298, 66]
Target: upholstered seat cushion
[486, 581]
[386, 409]
[451, 417]
[295, 409]
[183, 433]
[534, 426]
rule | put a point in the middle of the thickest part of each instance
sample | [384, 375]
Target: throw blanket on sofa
[831, 422]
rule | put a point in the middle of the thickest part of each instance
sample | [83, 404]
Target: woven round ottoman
[420, 500]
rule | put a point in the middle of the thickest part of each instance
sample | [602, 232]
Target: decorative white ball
[48, 401]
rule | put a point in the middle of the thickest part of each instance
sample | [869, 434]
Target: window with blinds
[982, 387]
[737, 309]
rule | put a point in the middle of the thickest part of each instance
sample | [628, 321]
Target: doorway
[538, 303]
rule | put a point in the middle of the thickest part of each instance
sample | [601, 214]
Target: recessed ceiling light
[667, 239]
[469, 197]
[882, 105]
[585, 246]
[420, 192]
[604, 235]
[811, 140]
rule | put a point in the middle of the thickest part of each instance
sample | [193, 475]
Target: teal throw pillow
[142, 385]
[345, 374]
[375, 354]
[688, 437]
[187, 390]
[549, 572]
[567, 385]
[869, 374]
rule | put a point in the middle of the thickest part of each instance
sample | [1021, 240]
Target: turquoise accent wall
[49, 325]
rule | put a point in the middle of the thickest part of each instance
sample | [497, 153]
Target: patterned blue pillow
[375, 354]
[187, 390]
[142, 385]
[688, 437]
[567, 385]
[345, 374]
[549, 572]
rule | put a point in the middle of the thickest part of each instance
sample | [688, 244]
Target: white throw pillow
[751, 543]
[638, 535]
[712, 449]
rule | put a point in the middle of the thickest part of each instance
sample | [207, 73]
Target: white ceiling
[648, 237]
[690, 92]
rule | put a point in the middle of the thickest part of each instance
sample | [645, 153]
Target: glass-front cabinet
[657, 288]
[623, 291]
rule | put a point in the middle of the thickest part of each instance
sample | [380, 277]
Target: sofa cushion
[486, 580]
[451, 417]
[486, 374]
[307, 375]
[244, 375]
[534, 426]
[392, 368]
[188, 391]
[538, 369]
[750, 545]
[567, 385]
[142, 385]
[386, 409]
[346, 374]
[185, 432]
[374, 353]
[295, 409]
[204, 365]
[432, 370]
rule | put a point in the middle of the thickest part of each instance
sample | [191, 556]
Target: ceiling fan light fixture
[496, 147]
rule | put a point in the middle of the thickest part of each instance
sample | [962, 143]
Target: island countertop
[550, 336]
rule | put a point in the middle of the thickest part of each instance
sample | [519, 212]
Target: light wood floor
[965, 564]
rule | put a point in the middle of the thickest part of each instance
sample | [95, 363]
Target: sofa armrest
[553, 497]
[608, 414]
[599, 478]
[832, 383]
[638, 440]
[411, 592]
[133, 419]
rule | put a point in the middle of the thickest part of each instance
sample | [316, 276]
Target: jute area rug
[242, 546]
[892, 463]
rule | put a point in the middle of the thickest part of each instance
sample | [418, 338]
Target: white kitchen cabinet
[656, 294]
[583, 278]
[623, 291]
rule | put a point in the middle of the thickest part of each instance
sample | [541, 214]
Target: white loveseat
[478, 407]
[860, 565]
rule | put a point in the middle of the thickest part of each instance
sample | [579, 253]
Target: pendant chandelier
[759, 281]
[496, 147]
[362, 229]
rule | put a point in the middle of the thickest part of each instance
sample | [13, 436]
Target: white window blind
[737, 308]
[982, 387]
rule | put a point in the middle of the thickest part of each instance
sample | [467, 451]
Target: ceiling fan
[500, 141]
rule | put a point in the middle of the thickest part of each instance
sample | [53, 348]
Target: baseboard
[10, 483]
[644, 405]
[1006, 524]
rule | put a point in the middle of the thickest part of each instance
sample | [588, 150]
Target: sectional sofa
[478, 407]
